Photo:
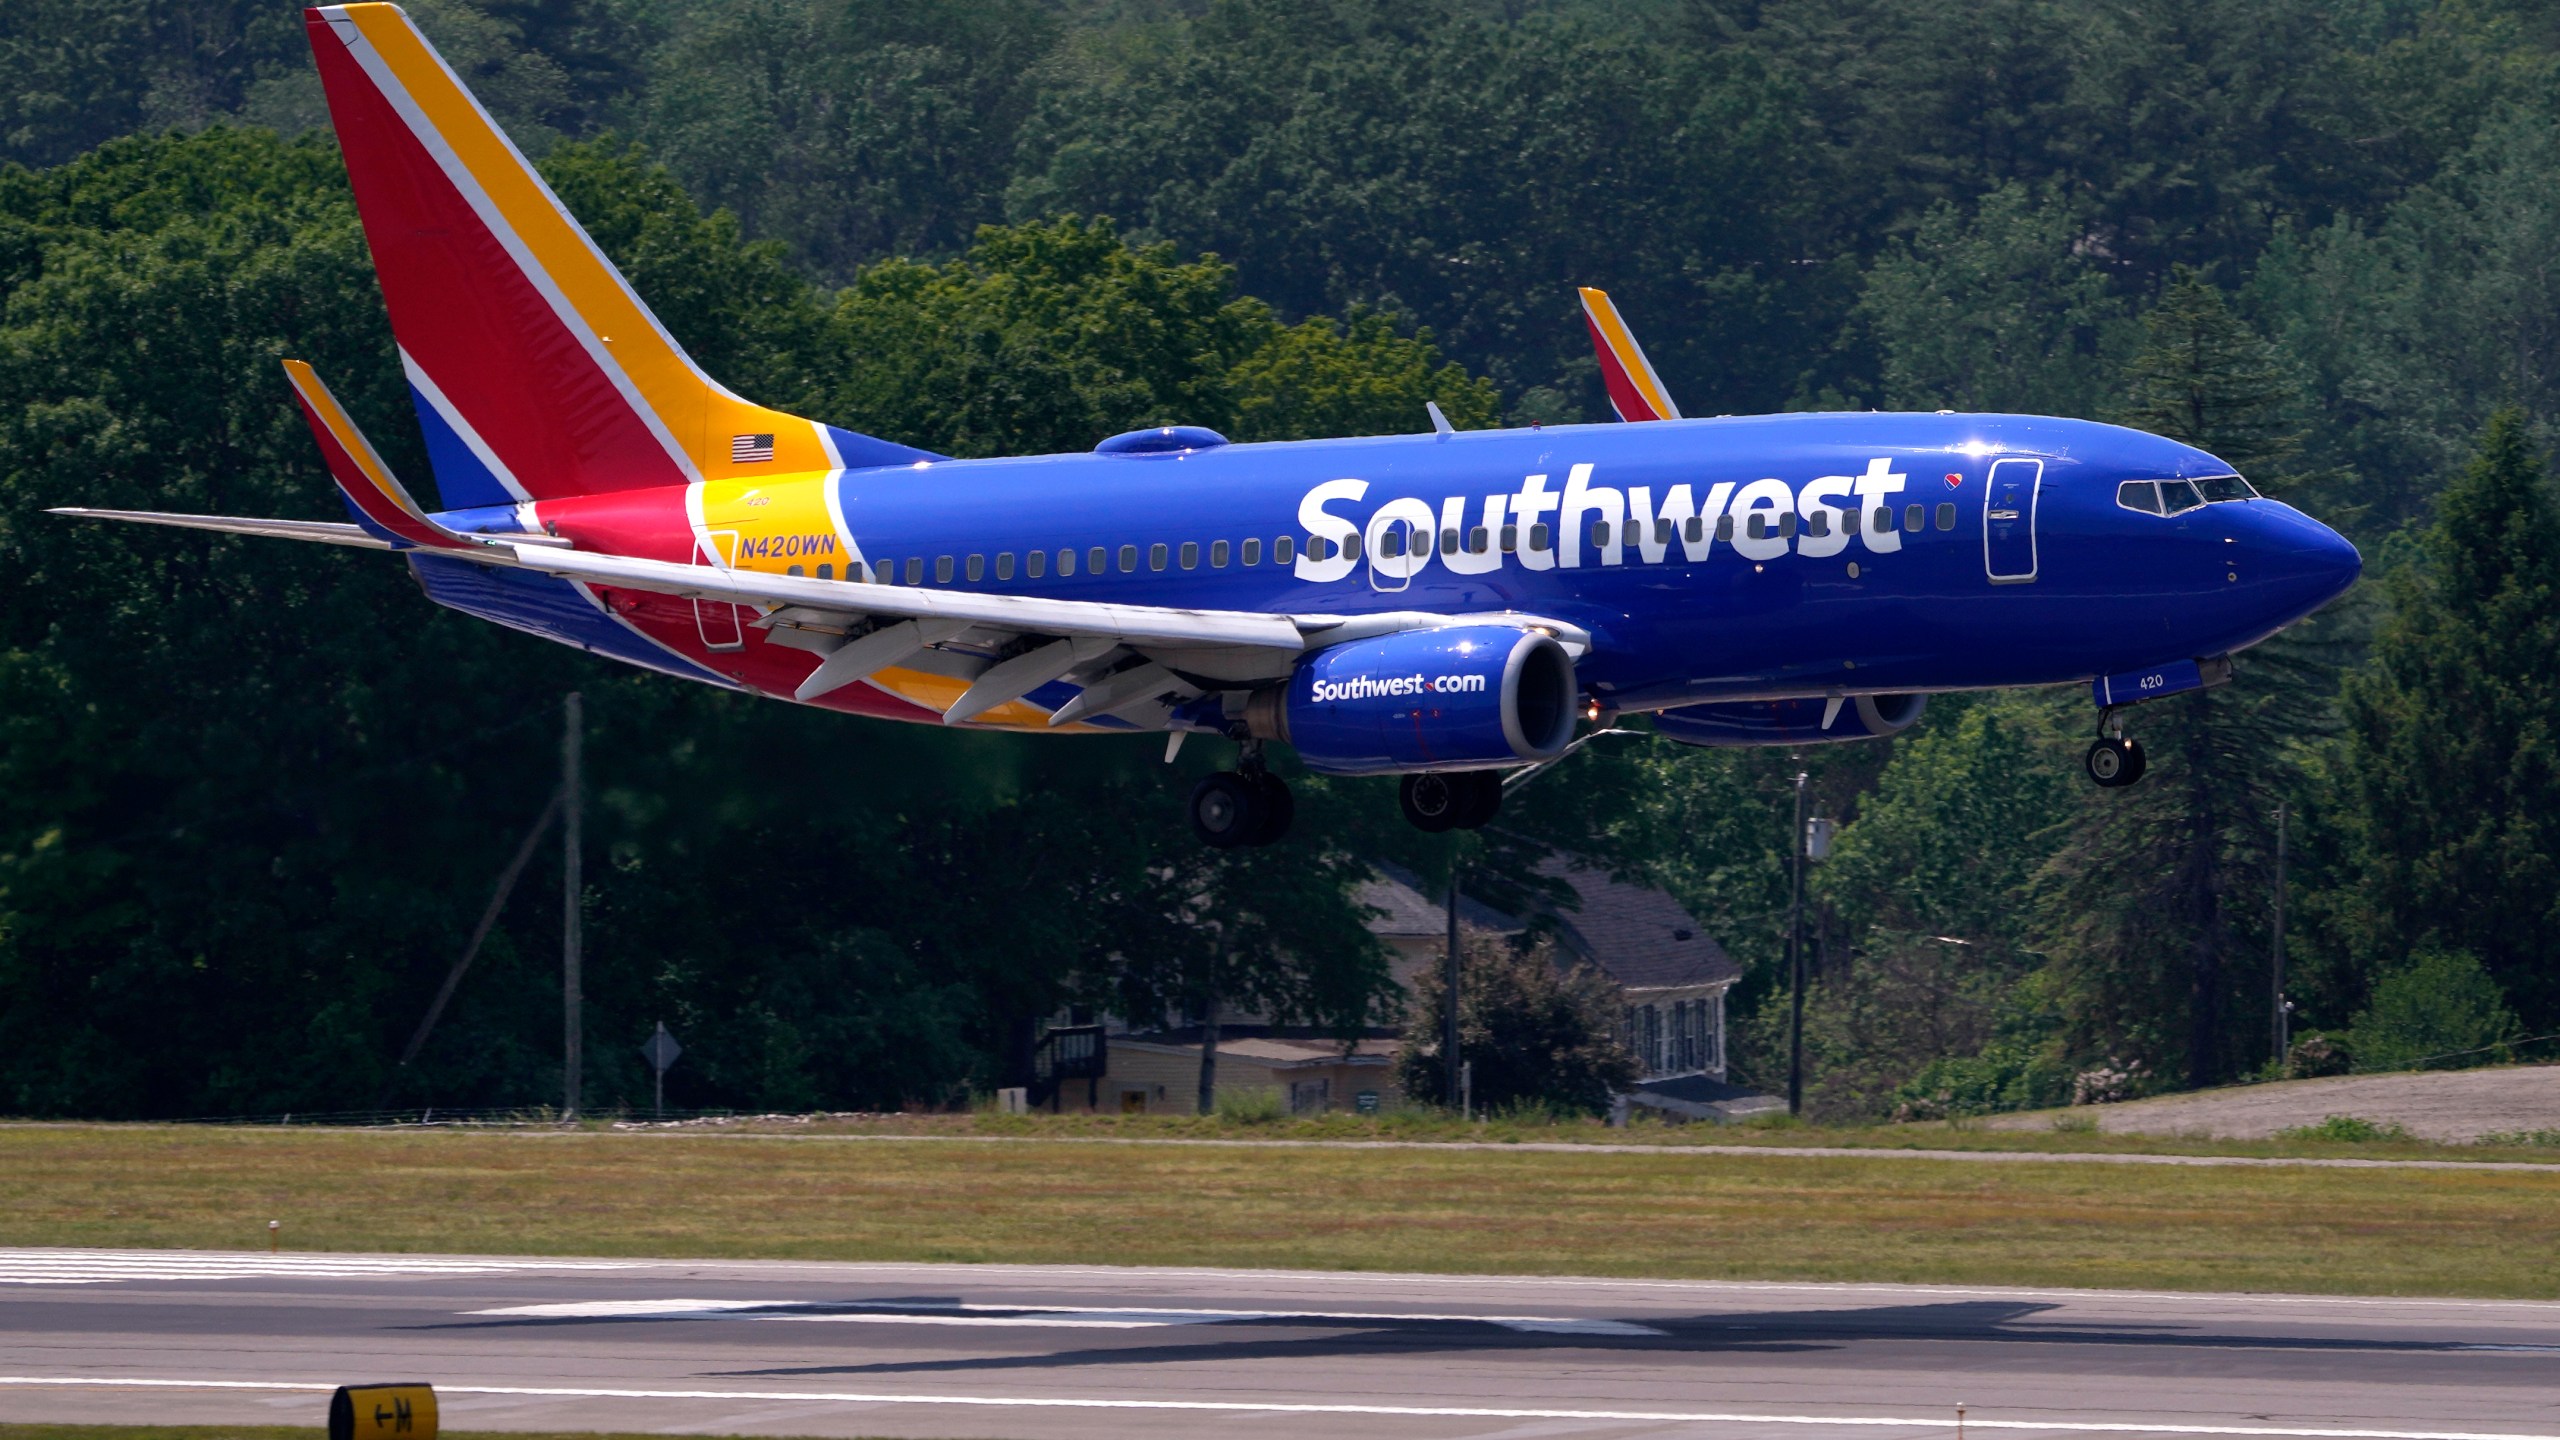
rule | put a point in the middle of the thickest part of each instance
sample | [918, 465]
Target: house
[1672, 974]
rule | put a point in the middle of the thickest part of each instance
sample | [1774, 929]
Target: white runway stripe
[2130, 1426]
[100, 1267]
[1107, 1317]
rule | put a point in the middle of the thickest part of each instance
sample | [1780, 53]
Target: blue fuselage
[2051, 580]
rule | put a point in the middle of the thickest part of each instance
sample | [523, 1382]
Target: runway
[1062, 1353]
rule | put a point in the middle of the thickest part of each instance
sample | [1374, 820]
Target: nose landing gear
[2114, 760]
[1463, 800]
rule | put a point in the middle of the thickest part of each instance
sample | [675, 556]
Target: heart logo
[1954, 481]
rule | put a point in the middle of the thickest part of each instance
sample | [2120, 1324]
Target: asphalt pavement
[1067, 1352]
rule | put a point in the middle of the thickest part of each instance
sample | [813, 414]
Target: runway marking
[1245, 1407]
[1098, 1317]
[100, 1267]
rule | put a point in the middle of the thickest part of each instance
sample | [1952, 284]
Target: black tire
[2135, 762]
[1484, 798]
[2114, 764]
[1432, 803]
[1279, 808]
[1226, 811]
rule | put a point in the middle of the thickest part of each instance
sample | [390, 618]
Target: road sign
[661, 1050]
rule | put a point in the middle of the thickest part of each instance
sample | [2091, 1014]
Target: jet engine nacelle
[1790, 722]
[1465, 698]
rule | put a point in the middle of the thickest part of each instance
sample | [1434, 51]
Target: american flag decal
[750, 449]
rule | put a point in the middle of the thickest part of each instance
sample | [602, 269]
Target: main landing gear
[1462, 800]
[1245, 806]
[2114, 759]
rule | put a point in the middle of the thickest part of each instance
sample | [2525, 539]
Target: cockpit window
[2177, 496]
[2142, 495]
[2225, 487]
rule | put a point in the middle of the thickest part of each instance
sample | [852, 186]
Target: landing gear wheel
[1483, 791]
[1226, 811]
[1434, 803]
[2115, 762]
[1276, 807]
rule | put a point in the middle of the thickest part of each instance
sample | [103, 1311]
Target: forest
[253, 798]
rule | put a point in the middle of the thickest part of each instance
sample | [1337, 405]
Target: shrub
[2005, 1076]
[2441, 1011]
[1540, 1027]
[2352, 1129]
[2106, 1084]
[1251, 1105]
[2317, 1054]
[2522, 1139]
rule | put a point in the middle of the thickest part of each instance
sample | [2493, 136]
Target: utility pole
[1795, 956]
[1449, 1011]
[2282, 1024]
[573, 807]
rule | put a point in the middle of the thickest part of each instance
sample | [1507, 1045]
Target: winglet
[1634, 389]
[376, 497]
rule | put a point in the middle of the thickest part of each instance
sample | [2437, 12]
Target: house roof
[1637, 935]
[1411, 914]
[1642, 937]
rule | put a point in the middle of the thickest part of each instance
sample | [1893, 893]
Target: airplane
[1448, 607]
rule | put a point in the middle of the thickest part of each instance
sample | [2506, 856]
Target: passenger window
[1697, 528]
[1882, 520]
[1662, 531]
[1190, 554]
[915, 569]
[1004, 565]
[1510, 539]
[794, 570]
[1819, 525]
[977, 568]
[1787, 525]
[1759, 527]
[1538, 537]
[1128, 559]
[1391, 543]
[1946, 515]
[1096, 560]
[1915, 518]
[1036, 564]
[1217, 554]
[1351, 548]
[2178, 495]
[1252, 553]
[1284, 550]
[942, 570]
[827, 571]
[1724, 527]
[2142, 495]
[1479, 540]
[1600, 533]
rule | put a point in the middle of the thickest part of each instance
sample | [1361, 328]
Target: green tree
[1538, 1026]
[2440, 1009]
[2152, 909]
[1992, 309]
[2449, 797]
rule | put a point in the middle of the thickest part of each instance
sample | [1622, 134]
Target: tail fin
[536, 370]
[1634, 389]
[379, 502]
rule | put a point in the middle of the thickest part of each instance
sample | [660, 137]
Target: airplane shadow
[1320, 1336]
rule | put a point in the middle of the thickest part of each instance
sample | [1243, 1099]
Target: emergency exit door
[2009, 521]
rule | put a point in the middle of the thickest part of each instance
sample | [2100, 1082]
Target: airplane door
[1397, 548]
[721, 624]
[2009, 521]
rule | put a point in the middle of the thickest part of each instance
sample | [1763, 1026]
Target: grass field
[1687, 1213]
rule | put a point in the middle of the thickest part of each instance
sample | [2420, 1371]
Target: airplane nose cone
[2302, 563]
